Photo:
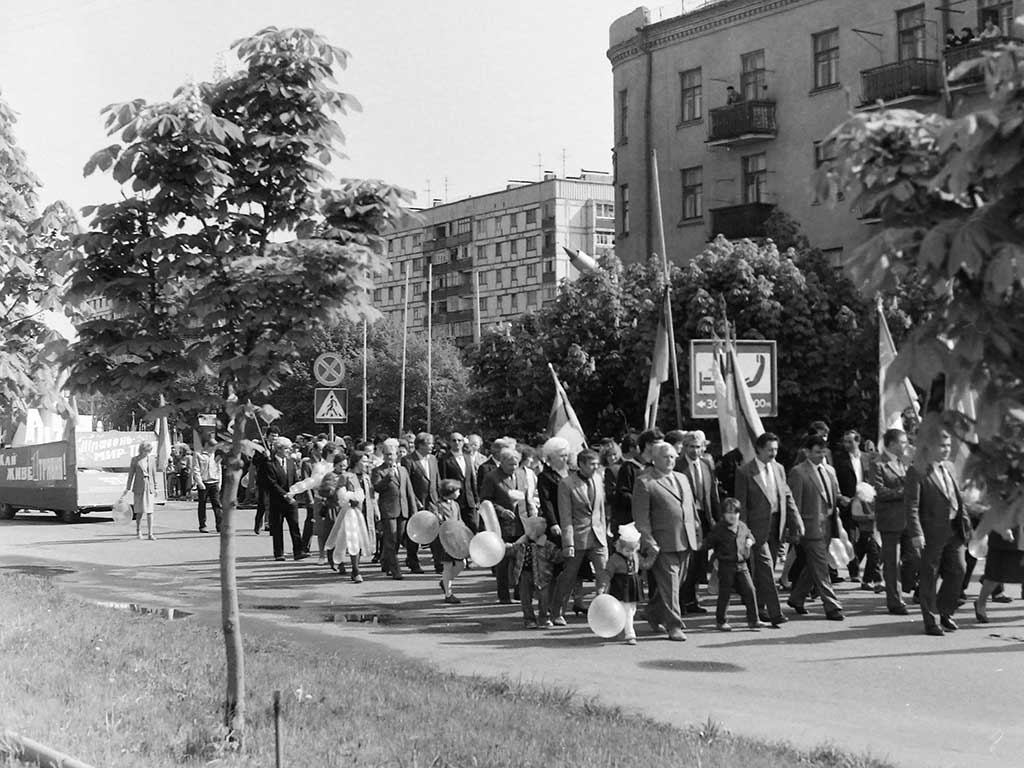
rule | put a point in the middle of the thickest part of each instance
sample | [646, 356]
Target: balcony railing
[738, 221]
[748, 120]
[958, 54]
[902, 79]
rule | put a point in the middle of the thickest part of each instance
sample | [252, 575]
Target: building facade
[510, 242]
[727, 159]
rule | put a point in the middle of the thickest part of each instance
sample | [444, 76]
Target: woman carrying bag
[142, 484]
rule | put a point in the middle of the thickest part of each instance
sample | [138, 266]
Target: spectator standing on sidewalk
[206, 476]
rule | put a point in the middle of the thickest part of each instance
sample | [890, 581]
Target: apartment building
[510, 242]
[797, 69]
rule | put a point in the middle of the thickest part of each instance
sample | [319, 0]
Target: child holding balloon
[623, 570]
[448, 510]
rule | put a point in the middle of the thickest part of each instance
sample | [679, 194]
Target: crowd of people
[990, 30]
[651, 518]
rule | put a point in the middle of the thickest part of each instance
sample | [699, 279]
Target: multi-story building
[511, 242]
[799, 67]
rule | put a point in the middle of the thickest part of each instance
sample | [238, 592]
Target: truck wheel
[7, 512]
[68, 515]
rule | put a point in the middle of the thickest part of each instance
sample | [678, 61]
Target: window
[549, 293]
[513, 274]
[417, 266]
[377, 295]
[549, 240]
[532, 243]
[498, 249]
[463, 226]
[910, 33]
[416, 240]
[623, 114]
[1000, 11]
[391, 294]
[514, 302]
[549, 265]
[531, 215]
[391, 246]
[752, 77]
[482, 279]
[624, 208]
[691, 95]
[515, 220]
[499, 275]
[531, 270]
[755, 178]
[826, 58]
[604, 210]
[825, 156]
[693, 192]
[514, 248]
[604, 239]
[417, 313]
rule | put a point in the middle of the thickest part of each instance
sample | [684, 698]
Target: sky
[458, 96]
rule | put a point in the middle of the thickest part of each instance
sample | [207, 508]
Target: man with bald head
[665, 515]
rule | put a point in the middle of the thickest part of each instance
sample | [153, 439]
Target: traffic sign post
[329, 369]
[758, 364]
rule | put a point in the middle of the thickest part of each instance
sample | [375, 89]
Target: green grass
[116, 689]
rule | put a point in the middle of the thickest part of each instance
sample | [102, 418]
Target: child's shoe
[548, 624]
[725, 627]
[631, 640]
[530, 624]
[452, 600]
[755, 626]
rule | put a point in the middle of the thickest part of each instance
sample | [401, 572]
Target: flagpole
[476, 306]
[430, 337]
[405, 339]
[364, 377]
[660, 224]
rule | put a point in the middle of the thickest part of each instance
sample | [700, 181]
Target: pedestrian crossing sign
[330, 405]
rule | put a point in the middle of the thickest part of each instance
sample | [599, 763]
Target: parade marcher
[426, 478]
[505, 487]
[667, 520]
[448, 508]
[816, 493]
[853, 467]
[458, 465]
[768, 509]
[899, 558]
[277, 474]
[623, 574]
[142, 484]
[1004, 564]
[206, 476]
[350, 535]
[732, 541]
[473, 445]
[622, 499]
[700, 472]
[396, 503]
[939, 528]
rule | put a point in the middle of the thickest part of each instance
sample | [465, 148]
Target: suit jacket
[276, 480]
[664, 513]
[450, 470]
[395, 498]
[929, 505]
[547, 497]
[483, 470]
[622, 507]
[888, 476]
[425, 485]
[756, 509]
[583, 522]
[495, 489]
[817, 508]
[847, 477]
[708, 501]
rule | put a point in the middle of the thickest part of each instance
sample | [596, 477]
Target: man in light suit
[700, 471]
[939, 528]
[395, 502]
[506, 488]
[888, 476]
[768, 509]
[457, 464]
[816, 492]
[664, 513]
[426, 478]
[583, 523]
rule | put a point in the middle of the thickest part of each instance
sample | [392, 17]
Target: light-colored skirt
[349, 534]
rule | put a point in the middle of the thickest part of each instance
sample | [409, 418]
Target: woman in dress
[142, 484]
[1003, 565]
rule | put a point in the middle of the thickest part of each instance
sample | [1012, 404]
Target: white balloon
[606, 616]
[487, 549]
[423, 527]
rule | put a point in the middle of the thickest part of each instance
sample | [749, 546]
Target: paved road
[875, 684]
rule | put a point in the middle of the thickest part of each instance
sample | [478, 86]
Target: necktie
[825, 485]
[698, 484]
[592, 491]
[769, 483]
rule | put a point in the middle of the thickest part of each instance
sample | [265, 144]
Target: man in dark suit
[770, 512]
[581, 512]
[458, 465]
[396, 503]
[277, 474]
[700, 472]
[621, 501]
[506, 488]
[426, 478]
[888, 476]
[939, 529]
[853, 467]
[816, 493]
[664, 513]
[490, 464]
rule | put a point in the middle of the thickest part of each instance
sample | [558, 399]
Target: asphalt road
[874, 683]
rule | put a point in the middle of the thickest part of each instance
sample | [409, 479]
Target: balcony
[548, 222]
[953, 57]
[743, 123]
[548, 278]
[903, 81]
[739, 221]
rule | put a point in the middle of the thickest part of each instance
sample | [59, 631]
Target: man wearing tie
[939, 529]
[816, 492]
[582, 519]
[458, 465]
[396, 503]
[278, 474]
[768, 509]
[505, 487]
[701, 475]
[888, 476]
[667, 520]
[426, 479]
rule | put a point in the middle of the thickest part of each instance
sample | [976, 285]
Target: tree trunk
[234, 700]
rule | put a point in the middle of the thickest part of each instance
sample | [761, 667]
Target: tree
[228, 250]
[34, 254]
[950, 194]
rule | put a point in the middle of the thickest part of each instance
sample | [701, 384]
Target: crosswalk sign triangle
[331, 408]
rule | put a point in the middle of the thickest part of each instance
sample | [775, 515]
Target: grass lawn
[117, 689]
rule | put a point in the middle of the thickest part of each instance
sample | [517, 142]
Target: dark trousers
[278, 516]
[865, 547]
[762, 570]
[212, 493]
[899, 565]
[503, 577]
[696, 568]
[942, 558]
[308, 527]
[392, 532]
[815, 575]
[735, 576]
[526, 592]
[412, 551]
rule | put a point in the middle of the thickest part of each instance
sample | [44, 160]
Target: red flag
[893, 397]
[563, 422]
[659, 368]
